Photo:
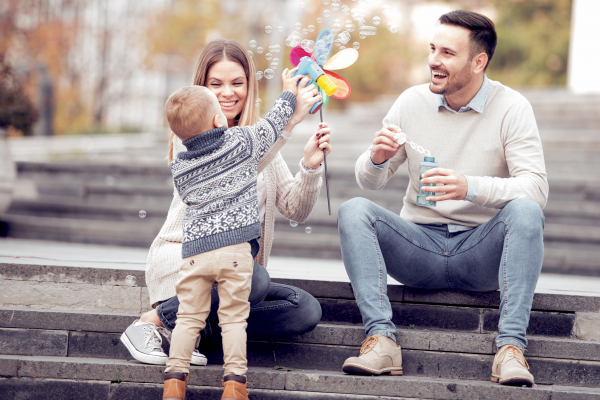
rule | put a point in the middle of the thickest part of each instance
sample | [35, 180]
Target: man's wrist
[378, 166]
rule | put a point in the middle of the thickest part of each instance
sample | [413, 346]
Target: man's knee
[525, 213]
[352, 210]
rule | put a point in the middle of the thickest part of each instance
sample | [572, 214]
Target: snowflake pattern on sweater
[216, 179]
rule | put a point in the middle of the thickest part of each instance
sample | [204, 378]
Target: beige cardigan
[294, 197]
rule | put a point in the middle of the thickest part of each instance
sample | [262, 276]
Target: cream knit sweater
[499, 150]
[294, 197]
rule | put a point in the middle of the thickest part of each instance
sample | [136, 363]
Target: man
[485, 231]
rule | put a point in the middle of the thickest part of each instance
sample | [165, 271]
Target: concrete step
[307, 384]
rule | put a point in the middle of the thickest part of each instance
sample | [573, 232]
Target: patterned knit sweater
[216, 179]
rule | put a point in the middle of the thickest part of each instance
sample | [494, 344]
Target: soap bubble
[268, 29]
[319, 20]
[259, 75]
[376, 20]
[130, 280]
[304, 43]
[325, 2]
[386, 9]
[345, 10]
[250, 53]
[326, 13]
[320, 44]
[277, 48]
[350, 26]
[302, 4]
[280, 28]
[275, 61]
[336, 27]
[274, 65]
[253, 43]
[322, 59]
[269, 73]
[335, 7]
[258, 103]
[368, 30]
[311, 28]
[337, 42]
[392, 27]
[336, 20]
[342, 48]
[305, 31]
[271, 49]
[259, 50]
[295, 33]
[310, 46]
[357, 13]
[293, 224]
[344, 37]
[361, 21]
[362, 35]
[356, 45]
[142, 214]
[268, 56]
[308, 229]
[327, 38]
[293, 40]
[297, 26]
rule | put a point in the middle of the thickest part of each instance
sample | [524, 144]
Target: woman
[225, 68]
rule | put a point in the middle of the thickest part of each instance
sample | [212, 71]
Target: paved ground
[115, 257]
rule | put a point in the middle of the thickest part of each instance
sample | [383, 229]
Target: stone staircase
[97, 199]
[60, 324]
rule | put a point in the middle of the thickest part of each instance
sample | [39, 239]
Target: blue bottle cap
[429, 159]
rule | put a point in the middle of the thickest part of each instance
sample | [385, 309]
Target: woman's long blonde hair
[231, 50]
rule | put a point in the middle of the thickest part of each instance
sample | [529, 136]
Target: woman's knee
[261, 281]
[310, 313]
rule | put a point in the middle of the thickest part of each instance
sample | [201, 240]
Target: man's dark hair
[483, 33]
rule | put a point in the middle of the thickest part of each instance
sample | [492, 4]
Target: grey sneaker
[197, 357]
[144, 343]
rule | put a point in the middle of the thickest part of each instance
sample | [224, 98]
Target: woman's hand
[290, 84]
[307, 97]
[313, 151]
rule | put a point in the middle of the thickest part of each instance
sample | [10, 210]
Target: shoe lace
[165, 332]
[514, 352]
[368, 344]
[152, 337]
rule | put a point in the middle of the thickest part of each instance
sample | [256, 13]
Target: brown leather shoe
[234, 387]
[175, 386]
[377, 356]
[510, 367]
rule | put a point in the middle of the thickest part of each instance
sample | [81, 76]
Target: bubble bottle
[427, 164]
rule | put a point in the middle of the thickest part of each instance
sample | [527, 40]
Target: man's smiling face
[450, 60]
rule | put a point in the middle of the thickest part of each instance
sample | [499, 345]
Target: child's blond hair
[190, 111]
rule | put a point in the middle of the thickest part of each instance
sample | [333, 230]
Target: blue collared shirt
[476, 104]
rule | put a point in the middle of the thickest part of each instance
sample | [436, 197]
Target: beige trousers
[231, 268]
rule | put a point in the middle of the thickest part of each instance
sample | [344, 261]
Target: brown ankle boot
[175, 386]
[234, 387]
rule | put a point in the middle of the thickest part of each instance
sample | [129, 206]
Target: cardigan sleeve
[295, 195]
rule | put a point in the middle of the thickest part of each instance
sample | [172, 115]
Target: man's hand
[455, 185]
[385, 145]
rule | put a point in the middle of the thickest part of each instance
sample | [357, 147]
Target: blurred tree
[533, 41]
[16, 110]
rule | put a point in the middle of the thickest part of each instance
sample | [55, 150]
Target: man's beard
[462, 79]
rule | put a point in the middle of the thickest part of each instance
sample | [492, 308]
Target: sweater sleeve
[372, 177]
[525, 162]
[265, 133]
[296, 195]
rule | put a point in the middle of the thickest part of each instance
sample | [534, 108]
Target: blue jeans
[504, 253]
[275, 309]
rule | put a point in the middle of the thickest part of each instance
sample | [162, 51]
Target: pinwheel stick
[325, 162]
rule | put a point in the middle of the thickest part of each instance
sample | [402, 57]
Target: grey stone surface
[65, 320]
[30, 342]
[70, 297]
[332, 382]
[44, 389]
[571, 393]
[549, 371]
[588, 326]
[563, 348]
[540, 323]
[98, 345]
[9, 367]
[69, 274]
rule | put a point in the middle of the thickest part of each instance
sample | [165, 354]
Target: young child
[216, 179]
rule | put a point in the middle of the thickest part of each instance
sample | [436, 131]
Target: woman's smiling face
[227, 80]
